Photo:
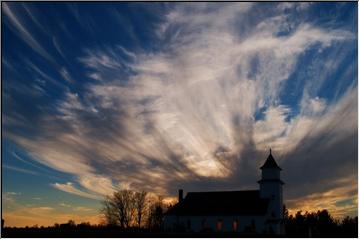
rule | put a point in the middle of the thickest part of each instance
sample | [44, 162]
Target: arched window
[204, 223]
[253, 225]
[189, 224]
[235, 225]
[219, 225]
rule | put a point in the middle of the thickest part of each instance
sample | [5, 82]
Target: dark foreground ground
[118, 233]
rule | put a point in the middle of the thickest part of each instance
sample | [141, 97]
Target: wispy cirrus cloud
[22, 170]
[69, 187]
[24, 33]
[16, 22]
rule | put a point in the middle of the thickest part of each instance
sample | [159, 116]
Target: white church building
[259, 211]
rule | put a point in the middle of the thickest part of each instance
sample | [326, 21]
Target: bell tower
[271, 188]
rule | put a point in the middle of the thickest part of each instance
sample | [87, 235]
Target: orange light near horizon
[17, 219]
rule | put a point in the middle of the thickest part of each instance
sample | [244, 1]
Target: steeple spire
[270, 162]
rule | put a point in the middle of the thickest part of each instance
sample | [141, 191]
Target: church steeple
[270, 162]
[271, 188]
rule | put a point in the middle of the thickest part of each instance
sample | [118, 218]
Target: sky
[99, 97]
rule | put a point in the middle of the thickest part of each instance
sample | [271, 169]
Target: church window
[235, 225]
[253, 226]
[203, 223]
[219, 225]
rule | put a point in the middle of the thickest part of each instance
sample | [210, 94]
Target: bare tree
[123, 200]
[156, 214]
[117, 208]
[109, 211]
[140, 205]
[125, 208]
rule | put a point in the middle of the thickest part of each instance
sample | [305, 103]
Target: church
[259, 211]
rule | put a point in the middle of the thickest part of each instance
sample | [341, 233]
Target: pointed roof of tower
[270, 162]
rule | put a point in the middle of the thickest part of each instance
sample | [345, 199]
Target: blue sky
[158, 96]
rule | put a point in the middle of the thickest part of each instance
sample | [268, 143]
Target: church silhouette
[258, 211]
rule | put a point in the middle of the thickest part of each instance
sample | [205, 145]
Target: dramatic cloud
[202, 109]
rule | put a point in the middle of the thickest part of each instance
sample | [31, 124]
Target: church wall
[199, 223]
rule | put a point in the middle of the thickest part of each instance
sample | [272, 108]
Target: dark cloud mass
[201, 112]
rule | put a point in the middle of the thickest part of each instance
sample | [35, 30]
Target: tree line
[319, 224]
[130, 213]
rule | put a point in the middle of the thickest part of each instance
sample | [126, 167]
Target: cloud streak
[69, 188]
[24, 33]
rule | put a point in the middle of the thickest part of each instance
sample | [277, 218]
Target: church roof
[241, 203]
[270, 162]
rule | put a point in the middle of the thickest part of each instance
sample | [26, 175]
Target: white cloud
[58, 48]
[22, 170]
[13, 193]
[66, 75]
[82, 209]
[99, 59]
[42, 209]
[98, 184]
[69, 188]
[64, 205]
[9, 199]
[272, 128]
[299, 6]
